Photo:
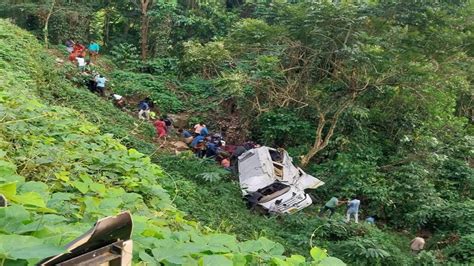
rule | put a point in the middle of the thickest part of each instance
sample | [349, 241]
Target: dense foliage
[374, 98]
[60, 175]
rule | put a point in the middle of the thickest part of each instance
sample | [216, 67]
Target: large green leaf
[98, 188]
[8, 189]
[7, 168]
[211, 260]
[26, 247]
[81, 186]
[30, 198]
[12, 218]
[318, 254]
[34, 186]
[331, 261]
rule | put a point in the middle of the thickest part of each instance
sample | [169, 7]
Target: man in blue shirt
[199, 146]
[196, 141]
[93, 50]
[213, 149]
[353, 210]
[144, 110]
[100, 84]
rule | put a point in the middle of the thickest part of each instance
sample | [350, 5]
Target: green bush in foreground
[60, 175]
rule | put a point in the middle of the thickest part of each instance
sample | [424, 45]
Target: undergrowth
[60, 174]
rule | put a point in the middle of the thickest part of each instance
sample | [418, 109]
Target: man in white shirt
[119, 101]
[81, 62]
[353, 210]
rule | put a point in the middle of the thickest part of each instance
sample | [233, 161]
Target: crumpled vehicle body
[269, 179]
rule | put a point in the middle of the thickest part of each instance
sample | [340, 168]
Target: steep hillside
[60, 174]
[375, 99]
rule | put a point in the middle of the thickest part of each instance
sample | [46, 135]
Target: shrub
[126, 56]
[463, 251]
[141, 85]
[60, 175]
[282, 128]
[251, 31]
[208, 59]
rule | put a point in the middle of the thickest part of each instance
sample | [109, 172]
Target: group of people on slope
[95, 82]
[198, 139]
[352, 209]
[416, 245]
[207, 145]
[163, 125]
[77, 53]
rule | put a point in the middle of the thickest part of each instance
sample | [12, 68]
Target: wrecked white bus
[271, 182]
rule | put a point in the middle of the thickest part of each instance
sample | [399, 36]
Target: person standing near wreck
[353, 210]
[331, 206]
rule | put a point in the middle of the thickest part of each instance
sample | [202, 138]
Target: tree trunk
[145, 4]
[321, 140]
[105, 37]
[46, 23]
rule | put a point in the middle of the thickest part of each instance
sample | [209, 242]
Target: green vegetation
[373, 98]
[60, 175]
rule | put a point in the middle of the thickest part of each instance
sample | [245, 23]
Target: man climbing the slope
[119, 100]
[169, 124]
[70, 46]
[331, 206]
[91, 83]
[160, 127]
[144, 109]
[81, 63]
[93, 50]
[100, 81]
[199, 146]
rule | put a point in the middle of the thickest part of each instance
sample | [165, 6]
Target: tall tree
[46, 22]
[144, 6]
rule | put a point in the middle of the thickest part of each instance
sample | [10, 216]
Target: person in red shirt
[160, 127]
[78, 47]
[72, 56]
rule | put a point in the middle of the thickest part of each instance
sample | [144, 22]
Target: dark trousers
[324, 209]
[91, 85]
[101, 90]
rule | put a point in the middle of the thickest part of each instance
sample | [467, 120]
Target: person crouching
[119, 100]
[160, 127]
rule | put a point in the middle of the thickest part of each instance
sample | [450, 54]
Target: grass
[216, 204]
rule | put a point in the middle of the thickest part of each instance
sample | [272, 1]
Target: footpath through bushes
[60, 175]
